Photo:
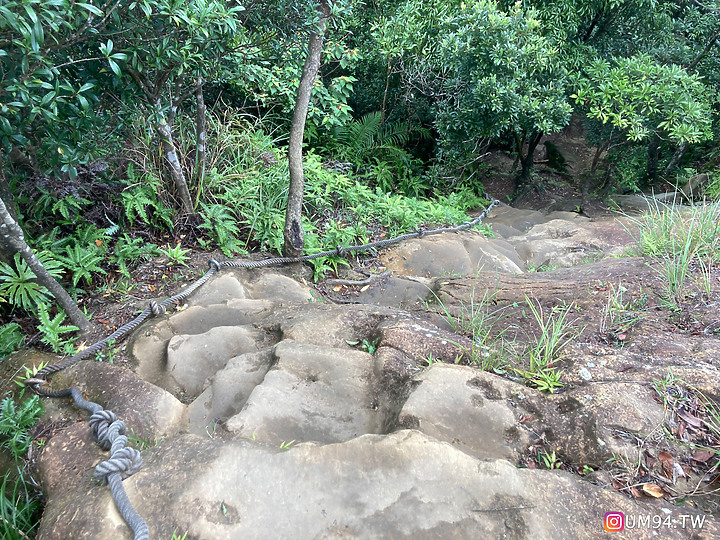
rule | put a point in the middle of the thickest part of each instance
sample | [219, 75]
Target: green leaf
[114, 67]
[92, 9]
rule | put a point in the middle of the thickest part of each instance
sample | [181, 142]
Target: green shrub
[20, 507]
[15, 423]
[10, 339]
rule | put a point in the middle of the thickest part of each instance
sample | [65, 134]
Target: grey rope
[109, 431]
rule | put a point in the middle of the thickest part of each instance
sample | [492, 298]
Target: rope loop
[340, 251]
[126, 461]
[212, 263]
[100, 424]
[420, 231]
[157, 309]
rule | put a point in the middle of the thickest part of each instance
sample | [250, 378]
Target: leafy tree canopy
[641, 97]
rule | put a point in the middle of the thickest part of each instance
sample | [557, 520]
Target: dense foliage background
[134, 128]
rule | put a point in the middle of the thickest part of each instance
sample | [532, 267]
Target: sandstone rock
[228, 392]
[519, 220]
[395, 486]
[422, 341]
[392, 292]
[148, 411]
[454, 404]
[557, 243]
[327, 325]
[462, 254]
[221, 288]
[281, 289]
[312, 393]
[193, 359]
[149, 344]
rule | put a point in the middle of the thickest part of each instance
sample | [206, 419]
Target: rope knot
[100, 424]
[340, 251]
[212, 263]
[420, 232]
[126, 461]
[156, 309]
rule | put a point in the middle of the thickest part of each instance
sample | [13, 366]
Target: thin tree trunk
[200, 134]
[164, 132]
[6, 250]
[387, 87]
[704, 52]
[11, 234]
[293, 232]
[653, 158]
[677, 156]
[527, 160]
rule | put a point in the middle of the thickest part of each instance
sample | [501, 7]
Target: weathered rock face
[404, 485]
[280, 416]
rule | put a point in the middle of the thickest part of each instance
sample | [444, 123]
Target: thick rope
[109, 431]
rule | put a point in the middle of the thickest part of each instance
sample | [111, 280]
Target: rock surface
[281, 416]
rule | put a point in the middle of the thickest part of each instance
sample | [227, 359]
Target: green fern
[82, 262]
[69, 207]
[221, 224]
[15, 424]
[132, 250]
[54, 240]
[369, 137]
[53, 329]
[19, 284]
[10, 339]
[135, 202]
[140, 201]
[90, 235]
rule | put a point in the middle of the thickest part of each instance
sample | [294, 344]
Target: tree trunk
[677, 156]
[526, 160]
[653, 158]
[200, 134]
[565, 284]
[11, 234]
[710, 44]
[293, 233]
[6, 250]
[387, 88]
[164, 132]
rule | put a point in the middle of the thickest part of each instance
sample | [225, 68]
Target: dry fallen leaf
[702, 455]
[337, 288]
[653, 490]
[690, 419]
[667, 461]
[635, 492]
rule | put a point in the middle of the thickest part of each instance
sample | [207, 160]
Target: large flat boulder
[312, 393]
[404, 485]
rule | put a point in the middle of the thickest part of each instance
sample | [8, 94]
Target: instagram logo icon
[614, 521]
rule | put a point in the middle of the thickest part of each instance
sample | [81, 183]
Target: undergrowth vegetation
[240, 207]
[684, 242]
[20, 504]
[501, 346]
